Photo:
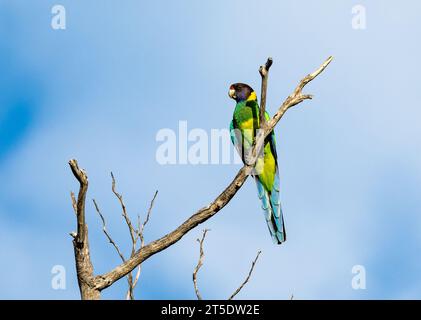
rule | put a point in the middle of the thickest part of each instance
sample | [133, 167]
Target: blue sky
[101, 89]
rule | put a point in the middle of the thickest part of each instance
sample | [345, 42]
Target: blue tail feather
[271, 206]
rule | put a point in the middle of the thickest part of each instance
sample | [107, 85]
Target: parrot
[243, 127]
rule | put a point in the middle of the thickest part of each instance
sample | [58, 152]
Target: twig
[136, 279]
[248, 277]
[133, 236]
[142, 228]
[74, 203]
[139, 235]
[264, 72]
[110, 239]
[123, 208]
[104, 229]
[199, 264]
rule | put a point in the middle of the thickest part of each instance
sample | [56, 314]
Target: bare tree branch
[199, 264]
[81, 176]
[136, 279]
[84, 268]
[104, 281]
[107, 279]
[74, 203]
[132, 231]
[264, 72]
[140, 235]
[142, 227]
[110, 239]
[248, 277]
[136, 235]
[104, 229]
[123, 208]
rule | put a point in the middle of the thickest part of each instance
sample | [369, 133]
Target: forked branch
[200, 264]
[136, 235]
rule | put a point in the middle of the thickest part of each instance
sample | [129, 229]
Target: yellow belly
[266, 165]
[266, 168]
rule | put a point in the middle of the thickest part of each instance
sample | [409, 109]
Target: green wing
[247, 115]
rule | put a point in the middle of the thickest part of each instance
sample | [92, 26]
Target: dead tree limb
[200, 264]
[136, 235]
[139, 236]
[264, 73]
[120, 254]
[103, 281]
[248, 277]
[84, 267]
[107, 234]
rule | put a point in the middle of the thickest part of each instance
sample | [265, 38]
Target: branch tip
[80, 174]
[199, 264]
[264, 69]
[269, 63]
[248, 276]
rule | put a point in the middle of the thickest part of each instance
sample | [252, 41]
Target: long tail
[271, 205]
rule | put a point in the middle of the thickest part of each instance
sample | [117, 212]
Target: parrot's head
[241, 91]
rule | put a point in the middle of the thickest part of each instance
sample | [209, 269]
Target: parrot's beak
[231, 93]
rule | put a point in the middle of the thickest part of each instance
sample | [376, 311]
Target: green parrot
[243, 127]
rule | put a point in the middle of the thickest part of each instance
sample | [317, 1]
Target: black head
[241, 91]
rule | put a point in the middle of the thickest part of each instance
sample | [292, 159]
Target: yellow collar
[252, 96]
